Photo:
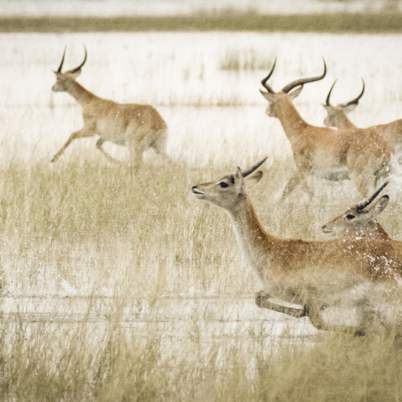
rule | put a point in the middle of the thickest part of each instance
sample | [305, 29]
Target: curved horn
[247, 172]
[364, 204]
[327, 100]
[355, 101]
[264, 80]
[62, 61]
[302, 81]
[76, 69]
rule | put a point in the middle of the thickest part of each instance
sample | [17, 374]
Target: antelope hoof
[260, 297]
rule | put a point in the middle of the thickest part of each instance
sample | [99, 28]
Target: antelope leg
[110, 158]
[85, 132]
[264, 300]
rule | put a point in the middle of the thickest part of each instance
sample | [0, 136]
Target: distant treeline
[337, 22]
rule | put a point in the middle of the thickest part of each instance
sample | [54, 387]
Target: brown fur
[321, 150]
[390, 132]
[136, 126]
[359, 221]
[310, 273]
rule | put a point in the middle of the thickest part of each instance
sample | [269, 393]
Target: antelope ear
[268, 96]
[380, 205]
[75, 74]
[254, 178]
[296, 92]
[349, 108]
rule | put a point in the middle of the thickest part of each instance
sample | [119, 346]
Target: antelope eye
[350, 217]
[223, 184]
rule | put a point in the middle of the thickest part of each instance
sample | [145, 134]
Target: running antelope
[360, 221]
[341, 285]
[326, 152]
[136, 126]
[337, 116]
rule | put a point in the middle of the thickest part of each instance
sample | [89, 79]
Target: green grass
[251, 21]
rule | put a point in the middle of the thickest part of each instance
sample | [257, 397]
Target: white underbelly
[326, 167]
[336, 174]
[114, 133]
[398, 153]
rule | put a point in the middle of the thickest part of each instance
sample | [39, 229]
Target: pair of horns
[76, 69]
[296, 83]
[354, 101]
[366, 203]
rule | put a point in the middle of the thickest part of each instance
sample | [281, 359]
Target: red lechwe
[326, 152]
[139, 127]
[337, 116]
[360, 220]
[344, 285]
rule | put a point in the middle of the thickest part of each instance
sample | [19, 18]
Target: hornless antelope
[326, 152]
[342, 284]
[360, 221]
[337, 117]
[139, 127]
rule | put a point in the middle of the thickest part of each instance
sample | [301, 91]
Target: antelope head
[290, 91]
[63, 78]
[359, 219]
[334, 113]
[229, 191]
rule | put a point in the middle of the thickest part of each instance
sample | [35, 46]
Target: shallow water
[215, 117]
[179, 73]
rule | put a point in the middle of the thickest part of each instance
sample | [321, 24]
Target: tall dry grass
[98, 226]
[37, 365]
[248, 59]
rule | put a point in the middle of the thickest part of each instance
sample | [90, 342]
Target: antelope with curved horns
[136, 126]
[359, 221]
[337, 116]
[341, 284]
[322, 151]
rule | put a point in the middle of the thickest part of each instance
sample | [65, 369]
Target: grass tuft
[235, 60]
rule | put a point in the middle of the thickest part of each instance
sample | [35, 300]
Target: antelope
[341, 284]
[326, 152]
[139, 127]
[359, 221]
[337, 116]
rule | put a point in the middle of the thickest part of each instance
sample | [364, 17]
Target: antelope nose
[195, 190]
[325, 229]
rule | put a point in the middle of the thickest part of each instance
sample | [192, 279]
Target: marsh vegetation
[122, 287]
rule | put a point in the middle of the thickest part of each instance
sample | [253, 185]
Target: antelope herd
[351, 283]
[348, 283]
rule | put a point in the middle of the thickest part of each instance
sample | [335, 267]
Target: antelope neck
[79, 93]
[343, 121]
[253, 240]
[292, 122]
